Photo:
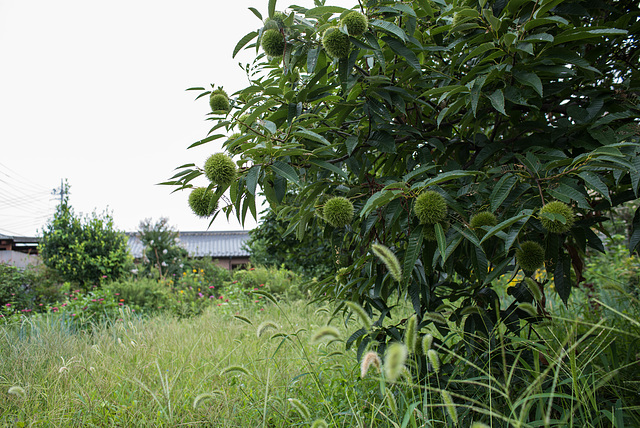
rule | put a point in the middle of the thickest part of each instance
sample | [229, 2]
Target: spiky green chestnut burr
[530, 256]
[430, 207]
[355, 22]
[219, 100]
[220, 169]
[557, 226]
[338, 211]
[277, 18]
[200, 201]
[273, 42]
[336, 43]
[483, 218]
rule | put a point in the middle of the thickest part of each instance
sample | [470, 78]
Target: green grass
[263, 369]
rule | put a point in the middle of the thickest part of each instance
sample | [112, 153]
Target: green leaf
[562, 277]
[311, 136]
[399, 48]
[256, 13]
[331, 167]
[285, 170]
[594, 182]
[272, 8]
[497, 101]
[323, 10]
[449, 175]
[243, 41]
[252, 179]
[525, 214]
[479, 50]
[390, 28]
[530, 79]
[379, 199]
[206, 140]
[502, 190]
[413, 251]
[440, 239]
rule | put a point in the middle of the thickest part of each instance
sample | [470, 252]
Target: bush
[279, 281]
[146, 295]
[84, 251]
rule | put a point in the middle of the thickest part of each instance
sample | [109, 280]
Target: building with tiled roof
[225, 247]
[19, 251]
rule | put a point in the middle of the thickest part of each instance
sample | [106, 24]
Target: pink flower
[117, 294]
[55, 309]
[93, 300]
[73, 315]
[212, 297]
[219, 304]
[212, 286]
[262, 309]
[261, 285]
[40, 304]
[100, 300]
[8, 304]
[104, 276]
[255, 289]
[64, 304]
[220, 297]
[120, 304]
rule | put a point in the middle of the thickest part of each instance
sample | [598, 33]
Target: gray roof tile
[203, 244]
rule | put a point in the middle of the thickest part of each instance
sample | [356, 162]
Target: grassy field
[285, 364]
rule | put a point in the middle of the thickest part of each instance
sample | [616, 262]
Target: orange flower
[122, 300]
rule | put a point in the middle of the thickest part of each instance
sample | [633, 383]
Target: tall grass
[287, 366]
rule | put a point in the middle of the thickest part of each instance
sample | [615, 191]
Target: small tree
[83, 251]
[161, 247]
[470, 139]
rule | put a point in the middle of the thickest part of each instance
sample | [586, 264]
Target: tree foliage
[162, 250]
[497, 106]
[84, 250]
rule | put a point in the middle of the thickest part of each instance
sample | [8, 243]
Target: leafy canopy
[498, 106]
[83, 251]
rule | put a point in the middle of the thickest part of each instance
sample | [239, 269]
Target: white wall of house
[18, 259]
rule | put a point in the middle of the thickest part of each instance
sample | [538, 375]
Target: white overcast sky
[94, 92]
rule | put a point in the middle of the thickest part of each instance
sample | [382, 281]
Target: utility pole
[62, 191]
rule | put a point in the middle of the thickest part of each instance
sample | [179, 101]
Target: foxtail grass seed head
[557, 225]
[430, 207]
[435, 317]
[338, 211]
[450, 406]
[389, 259]
[301, 408]
[362, 315]
[534, 288]
[530, 256]
[220, 169]
[204, 396]
[319, 423]
[528, 308]
[434, 359]
[481, 219]
[18, 391]
[336, 43]
[235, 369]
[479, 425]
[371, 358]
[325, 333]
[200, 202]
[427, 342]
[411, 334]
[355, 22]
[273, 42]
[391, 400]
[394, 361]
[264, 326]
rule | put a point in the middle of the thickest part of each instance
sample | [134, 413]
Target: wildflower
[226, 300]
[255, 289]
[93, 300]
[8, 304]
[165, 251]
[212, 286]
[164, 264]
[220, 297]
[64, 304]
[261, 285]
[120, 304]
[219, 304]
[55, 309]
[122, 300]
[262, 309]
[73, 315]
[212, 297]
[40, 304]
[100, 300]
[200, 294]
[117, 294]
[195, 271]
[104, 276]
[182, 291]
